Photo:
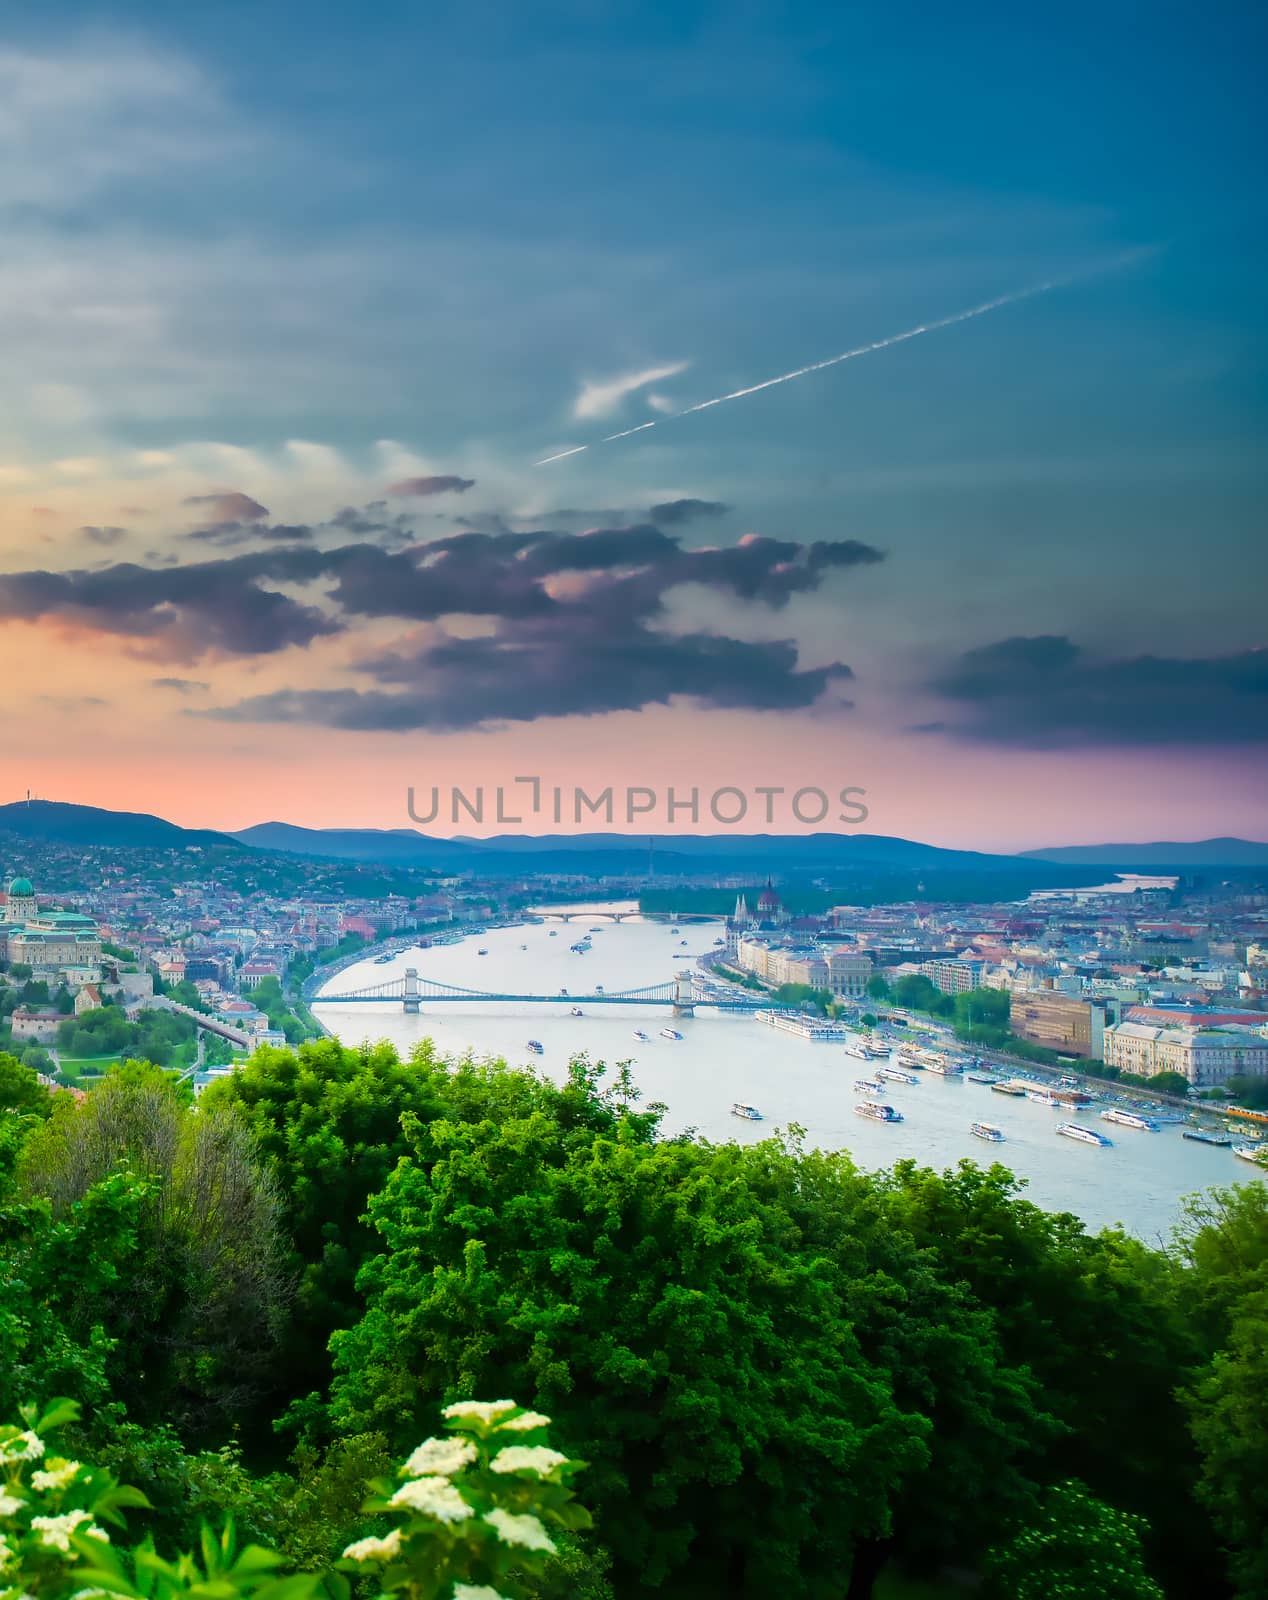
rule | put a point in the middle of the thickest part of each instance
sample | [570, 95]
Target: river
[1139, 1182]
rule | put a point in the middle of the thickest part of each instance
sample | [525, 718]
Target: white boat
[535, 1045]
[1073, 1130]
[482, 952]
[1129, 1119]
[987, 1130]
[869, 1108]
[670, 1033]
[944, 1068]
[554, 933]
[576, 1012]
[1042, 1097]
[640, 1035]
[749, 1113]
[1248, 1152]
[980, 1077]
[869, 1086]
[856, 1049]
[897, 1075]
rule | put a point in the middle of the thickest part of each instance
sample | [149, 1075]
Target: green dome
[20, 889]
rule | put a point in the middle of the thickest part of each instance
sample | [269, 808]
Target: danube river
[723, 1058]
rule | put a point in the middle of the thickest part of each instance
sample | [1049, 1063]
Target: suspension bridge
[413, 992]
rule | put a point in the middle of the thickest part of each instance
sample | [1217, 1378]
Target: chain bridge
[413, 992]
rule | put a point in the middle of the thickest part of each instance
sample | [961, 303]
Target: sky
[298, 302]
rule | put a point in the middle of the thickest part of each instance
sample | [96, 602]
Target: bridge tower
[684, 995]
[411, 991]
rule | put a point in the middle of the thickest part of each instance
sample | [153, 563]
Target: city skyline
[289, 336]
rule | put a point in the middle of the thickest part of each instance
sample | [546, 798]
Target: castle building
[49, 942]
[21, 904]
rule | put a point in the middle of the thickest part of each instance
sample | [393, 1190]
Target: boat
[869, 1086]
[379, 960]
[523, 947]
[594, 930]
[897, 1075]
[1008, 1088]
[670, 1033]
[554, 933]
[1128, 1119]
[1042, 1097]
[535, 1045]
[640, 1035]
[987, 1130]
[1204, 1136]
[673, 930]
[749, 1113]
[598, 988]
[980, 1077]
[682, 941]
[855, 1049]
[576, 1012]
[878, 1113]
[1248, 1152]
[946, 1069]
[1075, 1130]
[482, 952]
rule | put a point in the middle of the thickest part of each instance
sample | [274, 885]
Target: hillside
[1162, 854]
[93, 827]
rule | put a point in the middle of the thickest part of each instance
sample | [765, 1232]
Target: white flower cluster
[58, 1475]
[485, 1411]
[375, 1549]
[475, 1591]
[525, 1421]
[439, 1458]
[55, 1532]
[26, 1446]
[527, 1531]
[432, 1497]
[536, 1458]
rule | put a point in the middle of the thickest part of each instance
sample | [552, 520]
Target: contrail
[849, 355]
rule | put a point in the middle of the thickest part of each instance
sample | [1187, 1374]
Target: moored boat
[1075, 1130]
[1008, 1088]
[1248, 1152]
[1128, 1119]
[897, 1075]
[1204, 1136]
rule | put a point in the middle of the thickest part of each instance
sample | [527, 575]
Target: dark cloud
[674, 513]
[104, 535]
[1046, 692]
[182, 685]
[209, 607]
[442, 483]
[231, 505]
[231, 534]
[73, 702]
[579, 619]
[549, 668]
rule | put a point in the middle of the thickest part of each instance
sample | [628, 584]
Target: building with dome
[54, 944]
[21, 902]
[770, 912]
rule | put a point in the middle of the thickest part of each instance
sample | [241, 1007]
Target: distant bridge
[677, 992]
[547, 914]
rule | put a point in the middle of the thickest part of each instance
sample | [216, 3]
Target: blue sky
[303, 252]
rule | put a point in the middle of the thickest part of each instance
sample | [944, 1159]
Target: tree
[196, 1319]
[1223, 1243]
[1081, 1312]
[21, 1089]
[1168, 1083]
[877, 988]
[726, 1406]
[1075, 1548]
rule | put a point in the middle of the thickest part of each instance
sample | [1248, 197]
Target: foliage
[1075, 1548]
[484, 1505]
[21, 1089]
[198, 1312]
[1168, 1083]
[163, 1037]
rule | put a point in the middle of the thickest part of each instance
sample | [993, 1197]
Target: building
[953, 976]
[35, 1027]
[770, 912]
[848, 973]
[1058, 1021]
[21, 902]
[1204, 1056]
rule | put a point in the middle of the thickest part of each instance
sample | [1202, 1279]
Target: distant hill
[619, 852]
[1160, 854]
[94, 827]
